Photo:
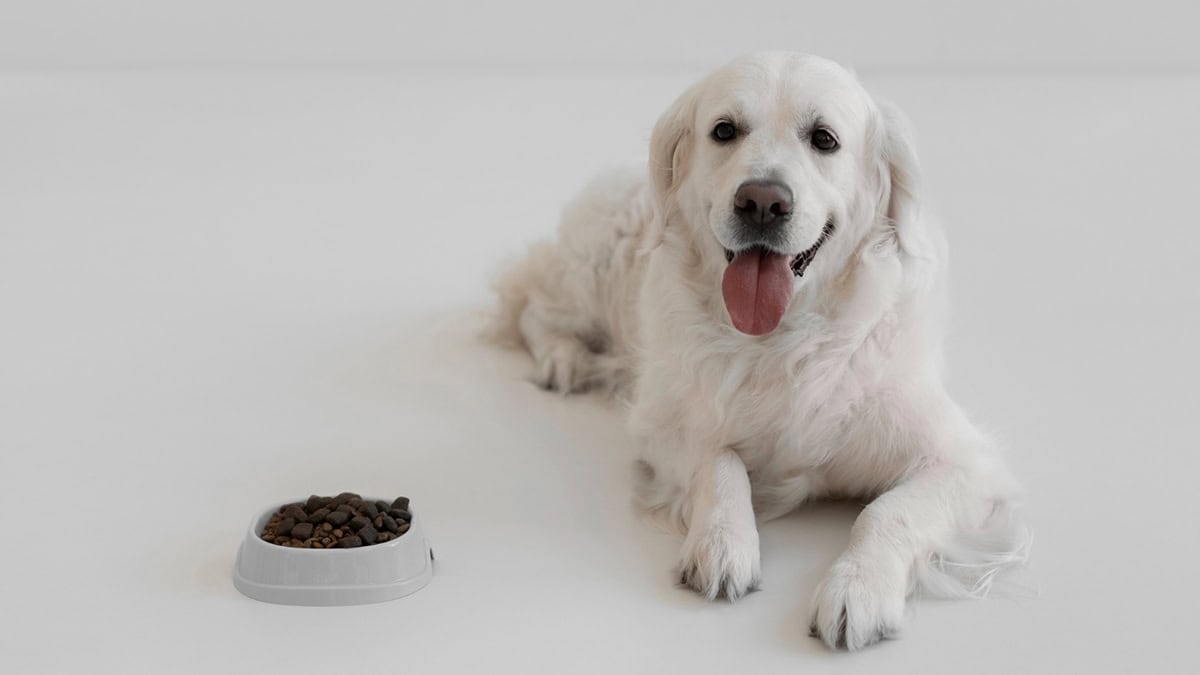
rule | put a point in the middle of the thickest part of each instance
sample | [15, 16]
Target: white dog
[770, 299]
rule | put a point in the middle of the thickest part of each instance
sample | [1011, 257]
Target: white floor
[218, 291]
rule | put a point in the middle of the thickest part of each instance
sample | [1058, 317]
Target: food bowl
[335, 576]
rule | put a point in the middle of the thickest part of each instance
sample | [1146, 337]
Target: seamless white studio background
[243, 247]
[1077, 36]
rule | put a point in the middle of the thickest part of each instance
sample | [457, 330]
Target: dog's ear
[900, 175]
[670, 144]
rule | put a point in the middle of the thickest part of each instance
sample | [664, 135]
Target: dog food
[344, 521]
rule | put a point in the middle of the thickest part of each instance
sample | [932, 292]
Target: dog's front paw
[859, 603]
[721, 562]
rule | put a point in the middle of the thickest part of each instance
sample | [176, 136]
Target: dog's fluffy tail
[989, 561]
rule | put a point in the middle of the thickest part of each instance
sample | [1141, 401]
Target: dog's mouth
[757, 285]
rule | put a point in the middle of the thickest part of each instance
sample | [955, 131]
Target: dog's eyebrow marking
[809, 119]
[732, 114]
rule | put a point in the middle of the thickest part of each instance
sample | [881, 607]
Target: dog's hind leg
[565, 360]
[544, 310]
[568, 301]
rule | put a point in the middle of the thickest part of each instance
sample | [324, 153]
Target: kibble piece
[399, 514]
[282, 540]
[382, 505]
[401, 503]
[368, 534]
[358, 522]
[337, 534]
[390, 524]
[315, 502]
[346, 508]
[403, 528]
[337, 518]
[369, 510]
[326, 527]
[386, 536]
[349, 542]
[285, 526]
[295, 512]
[318, 515]
[345, 497]
[302, 531]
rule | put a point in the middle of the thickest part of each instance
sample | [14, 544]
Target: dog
[768, 299]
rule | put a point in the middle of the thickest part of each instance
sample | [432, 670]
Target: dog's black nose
[762, 203]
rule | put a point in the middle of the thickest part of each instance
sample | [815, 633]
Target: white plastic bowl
[336, 576]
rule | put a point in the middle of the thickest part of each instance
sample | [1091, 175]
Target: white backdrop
[924, 35]
[220, 290]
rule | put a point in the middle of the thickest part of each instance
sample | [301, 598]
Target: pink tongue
[757, 288]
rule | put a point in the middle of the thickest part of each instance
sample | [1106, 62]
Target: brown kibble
[344, 521]
[285, 526]
[318, 516]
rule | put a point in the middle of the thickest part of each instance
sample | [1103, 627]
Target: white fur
[844, 399]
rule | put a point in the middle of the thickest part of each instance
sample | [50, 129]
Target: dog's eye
[824, 141]
[723, 132]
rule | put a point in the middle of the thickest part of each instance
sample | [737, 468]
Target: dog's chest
[788, 407]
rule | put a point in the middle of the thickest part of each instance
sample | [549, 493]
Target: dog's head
[780, 164]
